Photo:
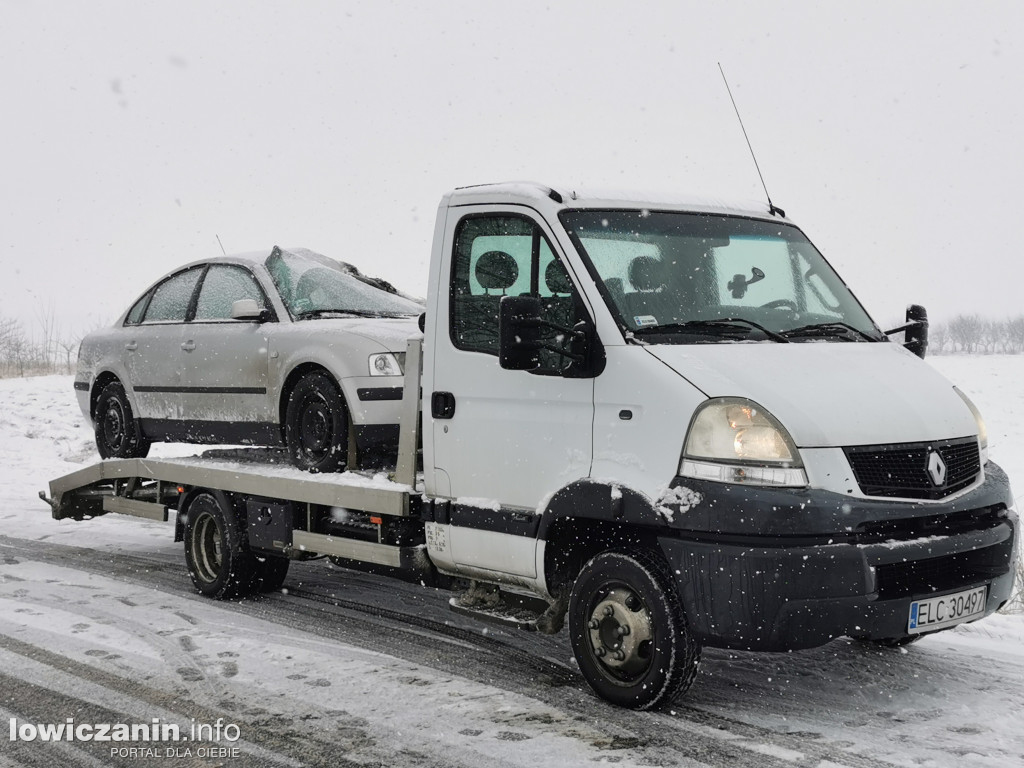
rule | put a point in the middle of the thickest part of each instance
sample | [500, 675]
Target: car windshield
[684, 278]
[311, 285]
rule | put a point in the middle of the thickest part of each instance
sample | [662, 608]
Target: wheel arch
[103, 378]
[588, 517]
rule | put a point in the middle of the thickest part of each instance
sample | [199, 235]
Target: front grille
[901, 469]
[935, 574]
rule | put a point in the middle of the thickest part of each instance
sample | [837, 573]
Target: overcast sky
[135, 133]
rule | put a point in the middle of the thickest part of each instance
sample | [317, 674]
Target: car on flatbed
[285, 347]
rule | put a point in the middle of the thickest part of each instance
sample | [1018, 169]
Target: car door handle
[131, 346]
[188, 346]
[442, 405]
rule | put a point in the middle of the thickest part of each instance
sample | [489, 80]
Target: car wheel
[316, 425]
[217, 563]
[117, 432]
[628, 631]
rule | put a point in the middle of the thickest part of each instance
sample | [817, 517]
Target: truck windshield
[689, 278]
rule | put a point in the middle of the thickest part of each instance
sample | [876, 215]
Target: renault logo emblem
[936, 468]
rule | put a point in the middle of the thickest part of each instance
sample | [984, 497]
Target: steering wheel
[781, 304]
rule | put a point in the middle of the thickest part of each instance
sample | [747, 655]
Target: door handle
[131, 346]
[188, 346]
[442, 405]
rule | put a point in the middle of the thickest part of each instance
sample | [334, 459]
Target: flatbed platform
[75, 494]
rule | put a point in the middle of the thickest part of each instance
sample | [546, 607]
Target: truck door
[504, 440]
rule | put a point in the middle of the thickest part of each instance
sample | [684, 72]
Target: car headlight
[982, 429]
[385, 364]
[734, 440]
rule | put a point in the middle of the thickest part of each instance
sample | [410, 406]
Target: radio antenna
[772, 209]
[226, 253]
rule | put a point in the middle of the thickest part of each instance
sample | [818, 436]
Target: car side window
[134, 316]
[503, 255]
[172, 297]
[222, 286]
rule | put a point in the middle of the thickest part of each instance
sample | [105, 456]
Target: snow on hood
[830, 394]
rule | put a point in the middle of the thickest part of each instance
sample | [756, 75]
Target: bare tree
[1015, 335]
[966, 331]
[938, 338]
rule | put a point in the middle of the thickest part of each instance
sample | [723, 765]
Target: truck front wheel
[628, 630]
[216, 561]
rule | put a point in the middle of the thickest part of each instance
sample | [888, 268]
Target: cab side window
[172, 297]
[222, 287]
[503, 255]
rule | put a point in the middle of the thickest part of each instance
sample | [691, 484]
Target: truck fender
[590, 516]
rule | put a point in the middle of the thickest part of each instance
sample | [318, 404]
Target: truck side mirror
[916, 337]
[519, 327]
[915, 330]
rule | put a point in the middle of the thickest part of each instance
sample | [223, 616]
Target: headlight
[733, 440]
[982, 430]
[385, 364]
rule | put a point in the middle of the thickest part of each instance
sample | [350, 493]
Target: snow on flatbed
[100, 615]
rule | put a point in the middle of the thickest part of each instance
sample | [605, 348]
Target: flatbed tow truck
[613, 410]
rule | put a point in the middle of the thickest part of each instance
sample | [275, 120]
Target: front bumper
[856, 573]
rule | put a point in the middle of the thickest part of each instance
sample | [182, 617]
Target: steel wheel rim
[620, 633]
[206, 548]
[316, 428]
[114, 433]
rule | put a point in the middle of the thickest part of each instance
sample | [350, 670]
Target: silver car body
[223, 380]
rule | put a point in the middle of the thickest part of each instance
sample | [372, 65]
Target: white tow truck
[668, 421]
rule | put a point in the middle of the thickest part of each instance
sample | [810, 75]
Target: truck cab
[690, 385]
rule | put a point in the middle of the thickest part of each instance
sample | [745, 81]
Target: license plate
[945, 611]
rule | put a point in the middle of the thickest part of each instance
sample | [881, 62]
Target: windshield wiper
[352, 312]
[722, 325]
[834, 329]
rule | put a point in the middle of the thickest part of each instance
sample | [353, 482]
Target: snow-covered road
[98, 622]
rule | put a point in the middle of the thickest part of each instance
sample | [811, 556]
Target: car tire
[628, 630]
[117, 432]
[218, 563]
[316, 425]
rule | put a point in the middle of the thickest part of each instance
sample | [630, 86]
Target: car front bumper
[748, 581]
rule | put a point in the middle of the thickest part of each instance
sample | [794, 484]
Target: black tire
[217, 560]
[269, 572]
[117, 432]
[656, 658]
[316, 425]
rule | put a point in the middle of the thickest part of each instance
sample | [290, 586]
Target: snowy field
[99, 622]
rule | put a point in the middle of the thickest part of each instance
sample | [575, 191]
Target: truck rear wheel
[628, 630]
[216, 561]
